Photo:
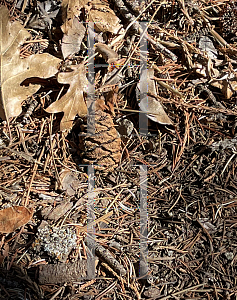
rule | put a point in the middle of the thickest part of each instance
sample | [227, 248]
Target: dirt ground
[162, 217]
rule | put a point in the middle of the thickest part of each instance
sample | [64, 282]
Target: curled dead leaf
[229, 87]
[107, 53]
[72, 103]
[69, 182]
[71, 9]
[13, 217]
[151, 104]
[105, 20]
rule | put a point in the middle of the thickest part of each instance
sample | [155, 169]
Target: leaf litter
[187, 158]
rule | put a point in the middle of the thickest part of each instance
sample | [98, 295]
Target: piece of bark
[62, 272]
[56, 213]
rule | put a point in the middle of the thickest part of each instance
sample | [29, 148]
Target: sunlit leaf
[14, 70]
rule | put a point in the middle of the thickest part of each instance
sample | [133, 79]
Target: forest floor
[160, 216]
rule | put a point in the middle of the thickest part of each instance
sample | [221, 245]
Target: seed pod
[103, 146]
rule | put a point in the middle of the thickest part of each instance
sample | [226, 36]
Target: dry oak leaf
[15, 70]
[13, 217]
[72, 103]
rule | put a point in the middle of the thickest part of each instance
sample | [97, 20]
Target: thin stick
[183, 291]
[33, 176]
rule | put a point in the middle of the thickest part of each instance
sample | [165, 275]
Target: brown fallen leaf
[13, 217]
[151, 104]
[72, 103]
[71, 42]
[229, 87]
[107, 53]
[69, 182]
[15, 70]
[55, 213]
[71, 9]
[111, 99]
[103, 17]
[99, 12]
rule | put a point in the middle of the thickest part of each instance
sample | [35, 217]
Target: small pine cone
[228, 24]
[103, 148]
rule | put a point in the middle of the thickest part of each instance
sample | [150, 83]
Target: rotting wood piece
[62, 272]
[102, 147]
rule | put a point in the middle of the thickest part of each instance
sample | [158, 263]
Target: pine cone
[228, 20]
[103, 148]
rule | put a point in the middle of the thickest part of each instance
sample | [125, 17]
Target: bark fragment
[62, 272]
